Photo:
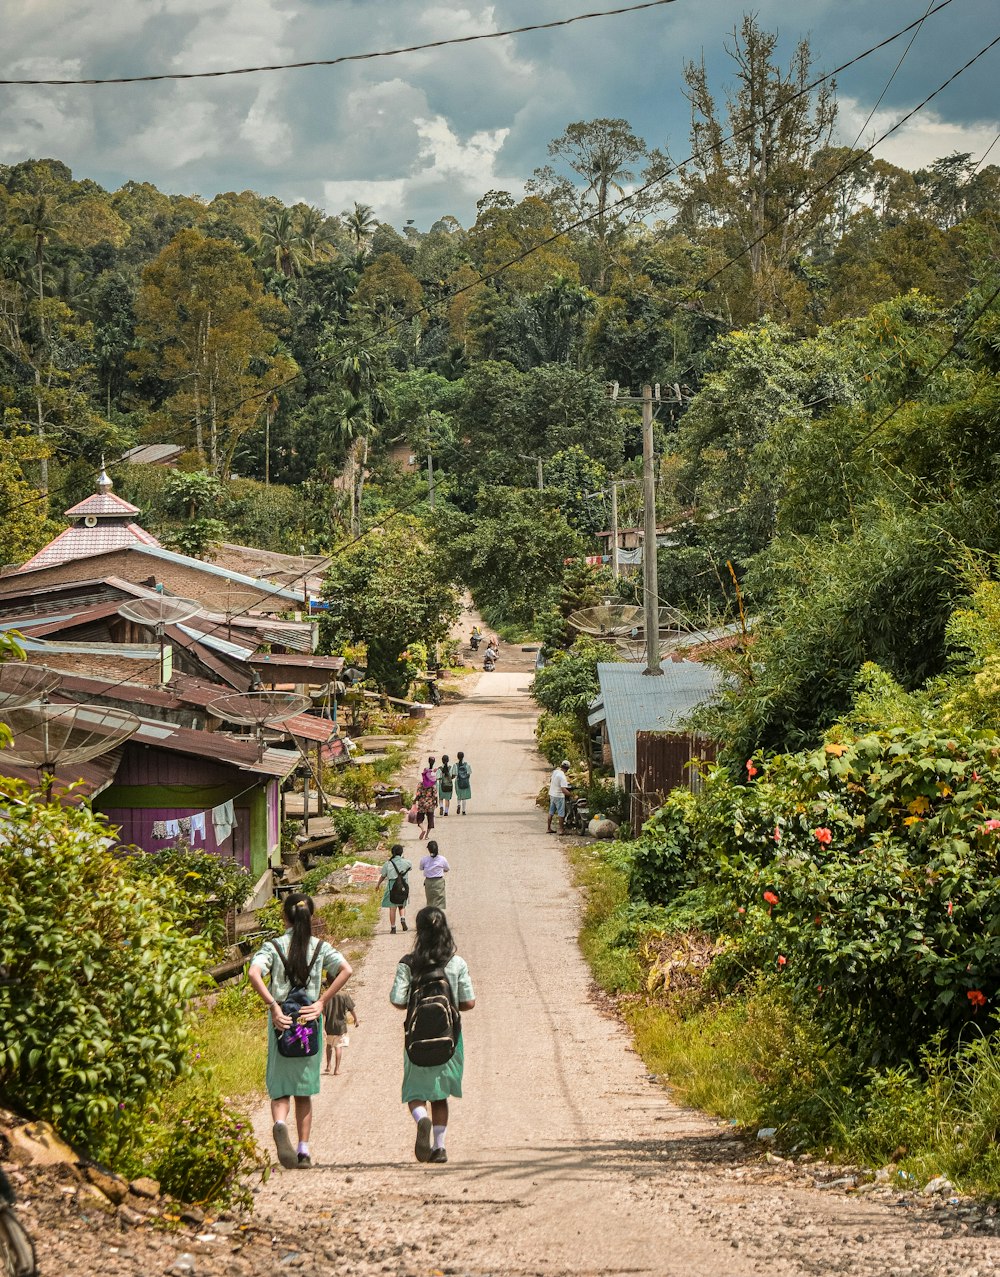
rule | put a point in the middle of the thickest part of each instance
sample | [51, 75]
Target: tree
[207, 331]
[360, 222]
[281, 244]
[510, 554]
[753, 170]
[604, 158]
[387, 592]
[579, 481]
[24, 527]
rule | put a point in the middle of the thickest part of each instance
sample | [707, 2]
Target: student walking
[395, 875]
[463, 783]
[434, 867]
[296, 964]
[340, 1006]
[445, 784]
[432, 986]
[427, 798]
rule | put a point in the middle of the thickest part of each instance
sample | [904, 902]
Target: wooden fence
[665, 761]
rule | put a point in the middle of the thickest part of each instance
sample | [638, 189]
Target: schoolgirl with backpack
[396, 876]
[296, 965]
[463, 783]
[433, 987]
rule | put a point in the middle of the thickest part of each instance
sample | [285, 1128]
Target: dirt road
[565, 1158]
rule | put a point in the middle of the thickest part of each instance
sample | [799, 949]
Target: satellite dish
[21, 684]
[606, 620]
[159, 612]
[47, 736]
[258, 710]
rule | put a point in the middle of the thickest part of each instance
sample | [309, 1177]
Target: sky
[423, 135]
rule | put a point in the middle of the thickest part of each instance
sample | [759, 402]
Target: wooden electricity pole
[651, 591]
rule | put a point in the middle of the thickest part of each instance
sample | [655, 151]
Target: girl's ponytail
[298, 911]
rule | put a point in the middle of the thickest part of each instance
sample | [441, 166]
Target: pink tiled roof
[101, 504]
[80, 543]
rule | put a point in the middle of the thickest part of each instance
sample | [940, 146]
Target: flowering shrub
[865, 873]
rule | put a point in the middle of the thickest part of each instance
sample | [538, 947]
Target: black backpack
[399, 888]
[462, 772]
[446, 781]
[298, 1040]
[433, 1023]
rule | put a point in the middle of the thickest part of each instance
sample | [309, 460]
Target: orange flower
[751, 770]
[976, 998]
[770, 897]
[781, 959]
[823, 835]
[777, 834]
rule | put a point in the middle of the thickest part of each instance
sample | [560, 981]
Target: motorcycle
[489, 664]
[17, 1251]
[577, 813]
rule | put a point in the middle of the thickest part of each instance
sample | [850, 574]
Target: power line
[347, 57]
[428, 307]
[895, 72]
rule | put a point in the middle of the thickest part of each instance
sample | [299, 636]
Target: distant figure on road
[432, 986]
[558, 789]
[434, 867]
[475, 638]
[396, 869]
[340, 1006]
[445, 784]
[427, 798]
[296, 963]
[463, 783]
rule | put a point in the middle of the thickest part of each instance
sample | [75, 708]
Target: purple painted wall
[151, 766]
[137, 829]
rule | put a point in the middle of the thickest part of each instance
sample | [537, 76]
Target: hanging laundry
[159, 829]
[173, 828]
[223, 820]
[185, 824]
[198, 832]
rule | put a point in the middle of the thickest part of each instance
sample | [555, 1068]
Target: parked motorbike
[17, 1251]
[577, 813]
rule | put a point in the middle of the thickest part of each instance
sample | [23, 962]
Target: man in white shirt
[558, 789]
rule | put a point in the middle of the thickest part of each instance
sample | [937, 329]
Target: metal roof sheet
[153, 454]
[79, 542]
[633, 701]
[103, 505]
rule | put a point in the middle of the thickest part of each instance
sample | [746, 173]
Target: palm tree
[314, 230]
[361, 221]
[281, 244]
[39, 223]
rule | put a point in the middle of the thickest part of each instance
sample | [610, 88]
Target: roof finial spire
[104, 483]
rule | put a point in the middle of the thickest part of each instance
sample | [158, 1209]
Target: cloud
[927, 137]
[426, 134]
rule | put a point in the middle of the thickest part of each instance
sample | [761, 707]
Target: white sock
[303, 1147]
[419, 1113]
[439, 1134]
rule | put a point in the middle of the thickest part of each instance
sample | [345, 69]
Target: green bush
[363, 829]
[556, 737]
[864, 875]
[205, 1150]
[207, 886]
[606, 798]
[99, 970]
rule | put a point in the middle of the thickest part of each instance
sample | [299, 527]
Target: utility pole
[538, 463]
[650, 584]
[430, 469]
[614, 528]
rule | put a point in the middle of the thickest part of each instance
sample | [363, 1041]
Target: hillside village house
[186, 773]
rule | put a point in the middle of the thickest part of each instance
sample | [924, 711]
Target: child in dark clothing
[340, 1006]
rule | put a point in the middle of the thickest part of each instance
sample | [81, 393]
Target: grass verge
[756, 1059]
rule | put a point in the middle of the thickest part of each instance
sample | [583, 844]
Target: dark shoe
[305, 1162]
[283, 1143]
[422, 1148]
[438, 1155]
[402, 923]
[392, 931]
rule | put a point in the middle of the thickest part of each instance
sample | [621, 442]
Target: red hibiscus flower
[976, 998]
[823, 835]
[751, 770]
